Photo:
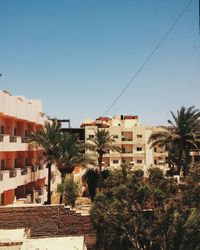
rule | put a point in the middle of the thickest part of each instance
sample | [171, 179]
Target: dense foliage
[154, 213]
[69, 190]
[91, 177]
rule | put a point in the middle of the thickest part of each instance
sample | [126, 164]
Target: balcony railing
[126, 139]
[138, 151]
[12, 173]
[24, 171]
[13, 139]
[1, 138]
[124, 151]
[40, 192]
[41, 167]
[1, 177]
[24, 140]
[34, 169]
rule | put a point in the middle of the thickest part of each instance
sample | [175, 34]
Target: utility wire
[149, 57]
[199, 16]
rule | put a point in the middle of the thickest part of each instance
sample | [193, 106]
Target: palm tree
[71, 153]
[48, 138]
[182, 136]
[91, 177]
[102, 143]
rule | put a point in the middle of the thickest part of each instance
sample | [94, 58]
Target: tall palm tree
[102, 143]
[71, 153]
[91, 177]
[182, 135]
[48, 138]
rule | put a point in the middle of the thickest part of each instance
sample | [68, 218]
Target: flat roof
[58, 243]
[12, 235]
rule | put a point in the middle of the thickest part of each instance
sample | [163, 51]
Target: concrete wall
[21, 108]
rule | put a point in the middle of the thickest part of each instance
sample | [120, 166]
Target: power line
[149, 57]
[199, 16]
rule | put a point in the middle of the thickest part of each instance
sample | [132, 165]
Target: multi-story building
[132, 138]
[22, 179]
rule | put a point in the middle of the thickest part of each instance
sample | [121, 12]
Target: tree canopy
[48, 139]
[154, 213]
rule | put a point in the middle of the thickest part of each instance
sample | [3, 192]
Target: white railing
[12, 143]
[11, 179]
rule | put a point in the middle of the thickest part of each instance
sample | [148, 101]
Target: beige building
[132, 137]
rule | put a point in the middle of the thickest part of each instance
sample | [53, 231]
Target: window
[115, 136]
[2, 130]
[91, 136]
[26, 161]
[2, 165]
[26, 133]
[15, 163]
[139, 161]
[115, 161]
[139, 136]
[139, 148]
[155, 162]
[15, 131]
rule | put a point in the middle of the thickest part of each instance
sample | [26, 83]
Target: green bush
[70, 190]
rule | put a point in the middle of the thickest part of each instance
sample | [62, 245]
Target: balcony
[24, 171]
[41, 167]
[112, 153]
[140, 152]
[12, 143]
[12, 173]
[24, 140]
[13, 139]
[11, 179]
[34, 169]
[127, 153]
[40, 191]
[127, 139]
[1, 138]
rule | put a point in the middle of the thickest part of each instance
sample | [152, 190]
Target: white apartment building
[22, 179]
[132, 138]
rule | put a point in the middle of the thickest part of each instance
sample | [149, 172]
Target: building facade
[22, 178]
[132, 138]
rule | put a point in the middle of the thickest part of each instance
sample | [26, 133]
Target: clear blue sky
[77, 55]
